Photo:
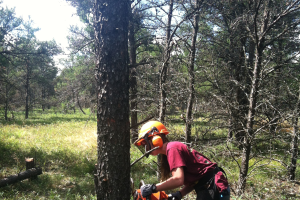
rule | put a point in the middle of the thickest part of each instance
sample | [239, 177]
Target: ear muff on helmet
[150, 129]
[157, 141]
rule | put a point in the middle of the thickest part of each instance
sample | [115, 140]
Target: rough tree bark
[112, 75]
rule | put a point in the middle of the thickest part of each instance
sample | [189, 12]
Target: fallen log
[21, 176]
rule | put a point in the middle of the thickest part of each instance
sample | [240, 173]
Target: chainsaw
[137, 195]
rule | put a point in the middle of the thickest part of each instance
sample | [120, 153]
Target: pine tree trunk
[240, 110]
[73, 97]
[6, 102]
[246, 145]
[79, 105]
[112, 76]
[27, 87]
[190, 103]
[165, 66]
[43, 98]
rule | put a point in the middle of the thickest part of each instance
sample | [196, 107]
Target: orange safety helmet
[151, 129]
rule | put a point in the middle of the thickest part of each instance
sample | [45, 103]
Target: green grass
[65, 146]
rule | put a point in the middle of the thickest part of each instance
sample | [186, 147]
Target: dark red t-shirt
[195, 164]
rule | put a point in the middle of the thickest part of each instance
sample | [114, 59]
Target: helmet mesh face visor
[144, 145]
[141, 148]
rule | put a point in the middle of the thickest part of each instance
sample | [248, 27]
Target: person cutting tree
[188, 168]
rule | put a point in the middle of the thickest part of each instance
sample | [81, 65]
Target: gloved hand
[175, 196]
[148, 189]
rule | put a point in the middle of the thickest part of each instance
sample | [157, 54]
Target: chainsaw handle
[141, 184]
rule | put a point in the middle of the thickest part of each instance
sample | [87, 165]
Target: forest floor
[65, 147]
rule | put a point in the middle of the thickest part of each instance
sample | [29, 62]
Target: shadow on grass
[72, 164]
[278, 147]
[45, 187]
[32, 121]
[62, 170]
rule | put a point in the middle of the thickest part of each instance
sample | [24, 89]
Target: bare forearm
[169, 184]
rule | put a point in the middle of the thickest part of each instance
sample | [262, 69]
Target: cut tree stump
[29, 165]
[21, 176]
